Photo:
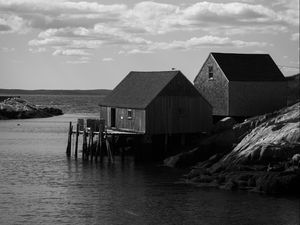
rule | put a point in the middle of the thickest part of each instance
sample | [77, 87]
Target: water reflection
[39, 185]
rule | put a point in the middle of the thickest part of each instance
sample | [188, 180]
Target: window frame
[129, 114]
[210, 72]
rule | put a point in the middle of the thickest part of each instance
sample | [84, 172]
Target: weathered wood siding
[254, 98]
[179, 108]
[137, 123]
[178, 114]
[104, 114]
[215, 90]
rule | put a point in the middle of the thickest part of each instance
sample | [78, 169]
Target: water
[39, 185]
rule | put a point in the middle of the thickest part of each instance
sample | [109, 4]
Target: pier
[97, 140]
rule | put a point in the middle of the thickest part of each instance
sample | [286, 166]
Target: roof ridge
[237, 53]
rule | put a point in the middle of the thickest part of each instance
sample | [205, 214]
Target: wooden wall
[178, 114]
[179, 108]
[255, 98]
[215, 91]
[137, 123]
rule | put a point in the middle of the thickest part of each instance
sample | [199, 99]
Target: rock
[186, 159]
[276, 139]
[230, 185]
[224, 124]
[276, 183]
[17, 108]
[266, 157]
[296, 159]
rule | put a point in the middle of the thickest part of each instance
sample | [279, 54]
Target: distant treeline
[54, 92]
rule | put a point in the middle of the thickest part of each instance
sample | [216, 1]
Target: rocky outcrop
[263, 155]
[17, 108]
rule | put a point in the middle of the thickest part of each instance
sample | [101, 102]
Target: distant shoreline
[54, 92]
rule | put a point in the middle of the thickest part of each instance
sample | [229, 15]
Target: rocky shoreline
[18, 108]
[261, 155]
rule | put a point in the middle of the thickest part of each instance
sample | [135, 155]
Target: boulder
[224, 124]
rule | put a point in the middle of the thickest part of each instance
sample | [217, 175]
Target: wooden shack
[164, 102]
[241, 85]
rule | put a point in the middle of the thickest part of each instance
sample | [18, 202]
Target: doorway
[113, 117]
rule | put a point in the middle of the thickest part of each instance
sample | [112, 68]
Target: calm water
[39, 185]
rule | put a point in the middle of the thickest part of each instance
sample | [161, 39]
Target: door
[113, 117]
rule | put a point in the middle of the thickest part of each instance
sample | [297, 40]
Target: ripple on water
[38, 185]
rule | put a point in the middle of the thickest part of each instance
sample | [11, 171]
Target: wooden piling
[109, 154]
[68, 150]
[166, 143]
[90, 150]
[101, 132]
[76, 141]
[84, 145]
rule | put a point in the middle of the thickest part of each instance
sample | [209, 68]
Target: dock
[97, 140]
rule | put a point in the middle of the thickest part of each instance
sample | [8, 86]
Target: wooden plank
[68, 150]
[76, 142]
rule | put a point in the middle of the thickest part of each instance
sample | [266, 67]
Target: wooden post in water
[112, 147]
[109, 155]
[91, 143]
[84, 145]
[97, 146]
[69, 145]
[76, 142]
[166, 143]
[101, 133]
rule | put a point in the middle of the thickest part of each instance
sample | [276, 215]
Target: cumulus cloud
[37, 50]
[80, 60]
[11, 23]
[7, 49]
[192, 44]
[147, 16]
[295, 37]
[70, 52]
[70, 27]
[205, 41]
[107, 59]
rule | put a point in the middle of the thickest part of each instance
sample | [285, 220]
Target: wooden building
[241, 85]
[163, 102]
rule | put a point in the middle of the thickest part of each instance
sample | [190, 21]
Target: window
[129, 114]
[210, 72]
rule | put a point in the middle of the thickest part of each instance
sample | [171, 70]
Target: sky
[94, 44]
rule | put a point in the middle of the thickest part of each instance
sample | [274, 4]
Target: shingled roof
[248, 67]
[138, 89]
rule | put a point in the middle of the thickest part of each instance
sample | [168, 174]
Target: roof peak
[236, 53]
[158, 71]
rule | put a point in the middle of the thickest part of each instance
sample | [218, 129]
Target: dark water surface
[39, 185]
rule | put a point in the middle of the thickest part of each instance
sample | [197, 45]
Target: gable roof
[248, 67]
[138, 89]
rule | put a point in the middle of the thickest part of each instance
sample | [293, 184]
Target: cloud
[7, 49]
[107, 59]
[37, 50]
[295, 37]
[70, 52]
[11, 23]
[192, 44]
[137, 51]
[55, 14]
[69, 27]
[80, 60]
[205, 41]
[147, 16]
